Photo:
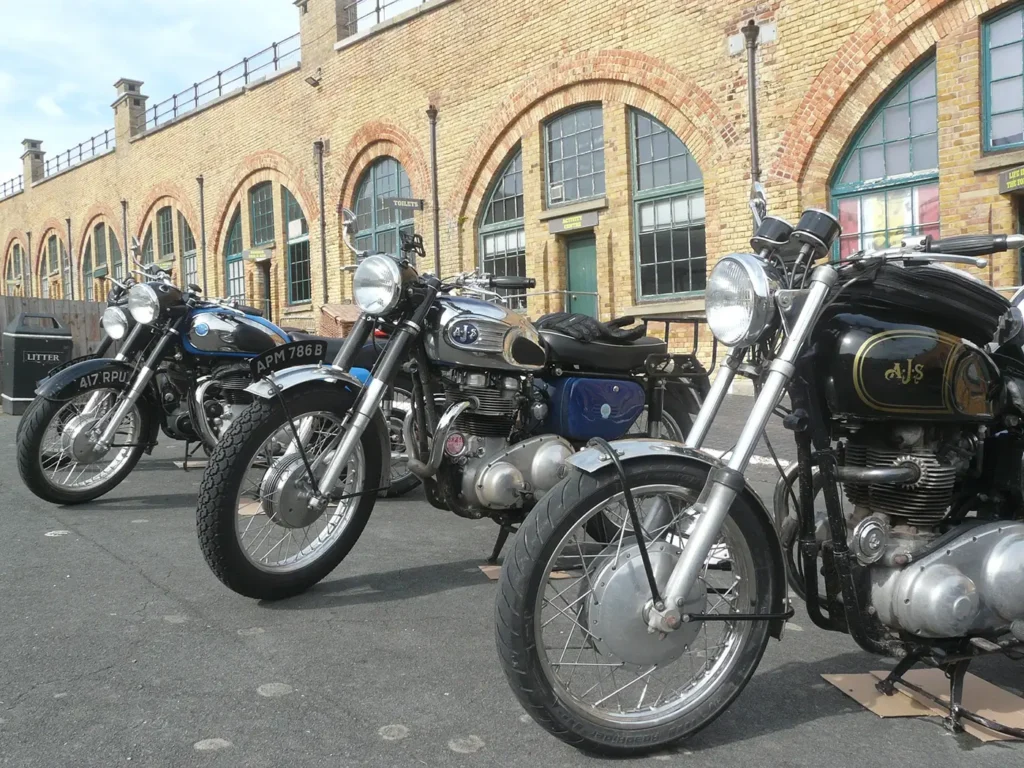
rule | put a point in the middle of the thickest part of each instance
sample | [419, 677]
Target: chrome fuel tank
[472, 333]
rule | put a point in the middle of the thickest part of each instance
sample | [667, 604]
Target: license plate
[118, 378]
[288, 356]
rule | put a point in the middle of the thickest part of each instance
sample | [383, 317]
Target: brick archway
[96, 213]
[19, 237]
[629, 77]
[55, 226]
[372, 141]
[160, 193]
[889, 42]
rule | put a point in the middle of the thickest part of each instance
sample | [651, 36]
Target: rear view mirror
[348, 218]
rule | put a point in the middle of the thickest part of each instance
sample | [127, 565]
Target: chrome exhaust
[444, 425]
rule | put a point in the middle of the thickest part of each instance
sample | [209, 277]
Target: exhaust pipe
[416, 465]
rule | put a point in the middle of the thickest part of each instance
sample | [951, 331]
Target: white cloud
[49, 107]
[6, 87]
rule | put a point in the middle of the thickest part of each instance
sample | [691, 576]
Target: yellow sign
[1011, 180]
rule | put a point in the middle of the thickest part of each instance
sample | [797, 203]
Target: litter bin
[33, 344]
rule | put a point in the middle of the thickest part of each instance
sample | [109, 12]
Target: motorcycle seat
[333, 344]
[600, 355]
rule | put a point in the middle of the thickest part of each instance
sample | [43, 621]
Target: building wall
[496, 70]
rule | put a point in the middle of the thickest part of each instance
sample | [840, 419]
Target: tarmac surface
[119, 647]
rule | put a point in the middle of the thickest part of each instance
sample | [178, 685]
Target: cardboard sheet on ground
[192, 464]
[980, 696]
[492, 572]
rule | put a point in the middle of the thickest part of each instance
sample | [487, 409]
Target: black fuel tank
[879, 369]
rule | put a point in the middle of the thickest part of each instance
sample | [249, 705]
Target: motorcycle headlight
[114, 322]
[739, 299]
[143, 303]
[377, 285]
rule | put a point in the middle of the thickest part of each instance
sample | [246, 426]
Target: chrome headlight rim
[763, 286]
[144, 304]
[115, 323]
[372, 269]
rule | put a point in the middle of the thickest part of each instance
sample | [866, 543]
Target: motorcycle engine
[495, 473]
[932, 574]
[226, 398]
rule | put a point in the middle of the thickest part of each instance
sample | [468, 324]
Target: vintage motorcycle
[906, 384]
[496, 408]
[182, 368]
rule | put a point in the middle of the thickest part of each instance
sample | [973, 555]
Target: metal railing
[274, 57]
[361, 15]
[12, 186]
[92, 147]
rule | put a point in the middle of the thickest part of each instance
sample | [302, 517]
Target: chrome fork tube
[725, 483]
[716, 396]
[97, 397]
[353, 342]
[135, 391]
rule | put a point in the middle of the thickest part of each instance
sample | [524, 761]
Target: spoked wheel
[257, 529]
[570, 628]
[402, 480]
[675, 420]
[57, 454]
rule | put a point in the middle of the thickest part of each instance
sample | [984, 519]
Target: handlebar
[512, 282]
[974, 245]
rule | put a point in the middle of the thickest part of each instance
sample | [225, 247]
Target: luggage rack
[695, 321]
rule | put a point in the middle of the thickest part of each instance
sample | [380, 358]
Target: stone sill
[568, 210]
[384, 26]
[999, 160]
[298, 309]
[220, 100]
[72, 168]
[681, 306]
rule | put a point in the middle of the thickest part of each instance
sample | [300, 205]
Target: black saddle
[580, 340]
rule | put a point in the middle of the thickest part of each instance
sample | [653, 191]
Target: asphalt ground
[118, 647]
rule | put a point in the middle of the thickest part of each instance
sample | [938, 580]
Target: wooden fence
[82, 318]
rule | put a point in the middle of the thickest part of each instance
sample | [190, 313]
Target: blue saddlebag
[584, 408]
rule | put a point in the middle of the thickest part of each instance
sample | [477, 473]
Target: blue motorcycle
[182, 368]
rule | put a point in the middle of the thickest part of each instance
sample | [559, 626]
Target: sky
[59, 59]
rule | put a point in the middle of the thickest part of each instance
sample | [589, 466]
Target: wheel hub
[79, 440]
[615, 608]
[286, 492]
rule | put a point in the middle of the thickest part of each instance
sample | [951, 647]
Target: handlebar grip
[513, 282]
[974, 245]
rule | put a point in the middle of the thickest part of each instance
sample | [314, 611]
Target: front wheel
[570, 630]
[57, 455]
[257, 531]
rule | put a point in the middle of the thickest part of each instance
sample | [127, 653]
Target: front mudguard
[102, 373]
[302, 375]
[593, 460]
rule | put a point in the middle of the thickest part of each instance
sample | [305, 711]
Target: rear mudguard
[102, 373]
[282, 381]
[688, 394]
[593, 460]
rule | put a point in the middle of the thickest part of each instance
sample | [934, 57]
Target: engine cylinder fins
[923, 502]
[488, 401]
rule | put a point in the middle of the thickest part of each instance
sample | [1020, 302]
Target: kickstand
[503, 533]
[888, 685]
[190, 453]
[956, 673]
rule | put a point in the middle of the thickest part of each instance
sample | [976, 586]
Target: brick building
[601, 147]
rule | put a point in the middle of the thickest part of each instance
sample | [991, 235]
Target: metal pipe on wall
[71, 261]
[318, 147]
[750, 32]
[432, 115]
[202, 226]
[26, 290]
[125, 269]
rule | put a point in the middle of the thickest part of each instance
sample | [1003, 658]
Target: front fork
[724, 483]
[142, 379]
[97, 397]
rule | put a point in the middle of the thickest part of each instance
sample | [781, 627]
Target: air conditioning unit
[556, 192]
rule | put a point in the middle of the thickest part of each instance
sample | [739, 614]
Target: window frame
[289, 243]
[548, 123]
[165, 229]
[188, 254]
[655, 194]
[369, 176]
[234, 258]
[517, 300]
[838, 191]
[15, 256]
[261, 228]
[986, 81]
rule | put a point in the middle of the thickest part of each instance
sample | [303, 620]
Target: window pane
[262, 213]
[925, 151]
[872, 164]
[697, 207]
[671, 260]
[299, 282]
[575, 142]
[923, 117]
[165, 232]
[1007, 129]
[1006, 95]
[1005, 30]
[897, 123]
[1006, 61]
[99, 238]
[874, 134]
[923, 85]
[927, 204]
[647, 216]
[897, 158]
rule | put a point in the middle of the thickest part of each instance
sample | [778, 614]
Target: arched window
[300, 284]
[147, 246]
[15, 271]
[261, 209]
[234, 267]
[379, 225]
[887, 185]
[502, 234]
[668, 197]
[1003, 67]
[101, 253]
[187, 241]
[575, 155]
[165, 234]
[54, 268]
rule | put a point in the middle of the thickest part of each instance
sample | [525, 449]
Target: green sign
[580, 221]
[1012, 181]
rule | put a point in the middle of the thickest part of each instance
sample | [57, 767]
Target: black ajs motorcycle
[906, 380]
[497, 407]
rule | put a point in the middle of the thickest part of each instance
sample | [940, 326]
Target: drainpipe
[432, 114]
[318, 147]
[125, 269]
[27, 290]
[71, 261]
[750, 32]
[202, 226]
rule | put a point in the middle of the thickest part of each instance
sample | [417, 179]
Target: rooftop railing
[92, 147]
[273, 58]
[12, 187]
[361, 15]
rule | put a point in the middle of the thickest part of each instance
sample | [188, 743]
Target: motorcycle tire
[32, 429]
[522, 578]
[219, 492]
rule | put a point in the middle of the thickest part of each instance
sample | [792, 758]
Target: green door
[581, 255]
